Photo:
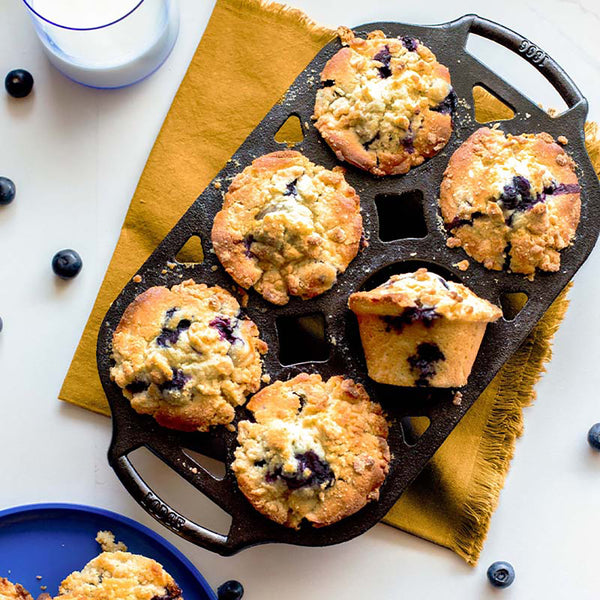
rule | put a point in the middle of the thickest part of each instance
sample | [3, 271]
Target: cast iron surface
[371, 267]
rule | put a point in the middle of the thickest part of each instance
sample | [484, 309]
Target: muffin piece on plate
[317, 450]
[287, 227]
[120, 575]
[187, 355]
[12, 591]
[511, 202]
[385, 104]
[417, 329]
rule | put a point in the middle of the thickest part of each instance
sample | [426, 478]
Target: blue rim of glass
[103, 512]
[37, 14]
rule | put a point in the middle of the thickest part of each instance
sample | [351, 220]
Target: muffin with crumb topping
[12, 591]
[121, 575]
[417, 329]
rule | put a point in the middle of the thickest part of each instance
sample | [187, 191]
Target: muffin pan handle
[533, 54]
[163, 512]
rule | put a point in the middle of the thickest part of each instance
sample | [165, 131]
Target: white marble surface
[76, 155]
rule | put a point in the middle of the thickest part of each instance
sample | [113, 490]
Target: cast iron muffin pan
[408, 211]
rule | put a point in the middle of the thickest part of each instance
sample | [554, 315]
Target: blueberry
[67, 264]
[384, 57]
[593, 435]
[177, 381]
[225, 328]
[230, 590]
[448, 105]
[291, 189]
[18, 83]
[409, 43]
[424, 362]
[410, 315]
[7, 191]
[320, 472]
[501, 574]
[1, 324]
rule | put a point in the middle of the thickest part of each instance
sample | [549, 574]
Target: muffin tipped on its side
[417, 329]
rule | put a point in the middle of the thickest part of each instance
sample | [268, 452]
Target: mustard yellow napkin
[249, 55]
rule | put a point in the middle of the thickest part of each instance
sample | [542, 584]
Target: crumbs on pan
[457, 400]
[266, 378]
[562, 140]
[137, 279]
[463, 265]
[107, 542]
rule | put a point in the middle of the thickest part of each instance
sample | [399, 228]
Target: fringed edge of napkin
[258, 8]
[503, 428]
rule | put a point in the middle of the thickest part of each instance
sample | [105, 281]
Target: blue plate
[52, 540]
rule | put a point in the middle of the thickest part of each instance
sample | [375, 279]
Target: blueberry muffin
[417, 329]
[120, 576]
[287, 227]
[187, 356]
[317, 450]
[13, 591]
[385, 104]
[512, 202]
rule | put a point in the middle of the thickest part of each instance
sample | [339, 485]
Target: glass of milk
[106, 43]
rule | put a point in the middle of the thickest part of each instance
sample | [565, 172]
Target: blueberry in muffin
[511, 202]
[419, 330]
[287, 227]
[317, 450]
[187, 356]
[120, 575]
[385, 104]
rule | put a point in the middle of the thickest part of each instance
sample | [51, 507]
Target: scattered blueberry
[230, 590]
[327, 83]
[501, 574]
[18, 83]
[67, 264]
[1, 324]
[7, 191]
[593, 435]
